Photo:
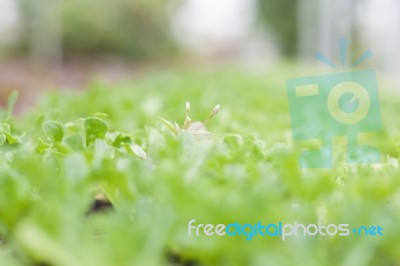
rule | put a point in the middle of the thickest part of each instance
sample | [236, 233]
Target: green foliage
[135, 29]
[108, 140]
[7, 113]
[53, 130]
[94, 128]
[282, 18]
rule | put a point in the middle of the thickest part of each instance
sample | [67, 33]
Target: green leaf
[75, 141]
[2, 139]
[42, 146]
[121, 139]
[11, 139]
[5, 128]
[138, 151]
[101, 115]
[53, 130]
[169, 125]
[76, 168]
[233, 140]
[12, 99]
[94, 128]
[35, 240]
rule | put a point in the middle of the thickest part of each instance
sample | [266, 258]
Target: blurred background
[63, 44]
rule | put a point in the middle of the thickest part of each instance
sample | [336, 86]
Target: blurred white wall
[205, 25]
[379, 27]
[9, 21]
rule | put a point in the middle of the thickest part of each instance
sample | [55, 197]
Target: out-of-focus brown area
[31, 78]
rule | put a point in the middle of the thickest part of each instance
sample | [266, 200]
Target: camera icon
[340, 104]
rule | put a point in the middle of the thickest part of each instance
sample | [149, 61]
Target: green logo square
[339, 104]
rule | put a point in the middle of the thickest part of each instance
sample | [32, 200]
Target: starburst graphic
[343, 45]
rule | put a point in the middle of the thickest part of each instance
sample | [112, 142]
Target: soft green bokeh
[246, 172]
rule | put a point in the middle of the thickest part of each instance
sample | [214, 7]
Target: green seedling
[196, 128]
[5, 134]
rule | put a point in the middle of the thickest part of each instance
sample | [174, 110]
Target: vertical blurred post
[9, 22]
[45, 36]
[322, 23]
[307, 28]
[336, 22]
